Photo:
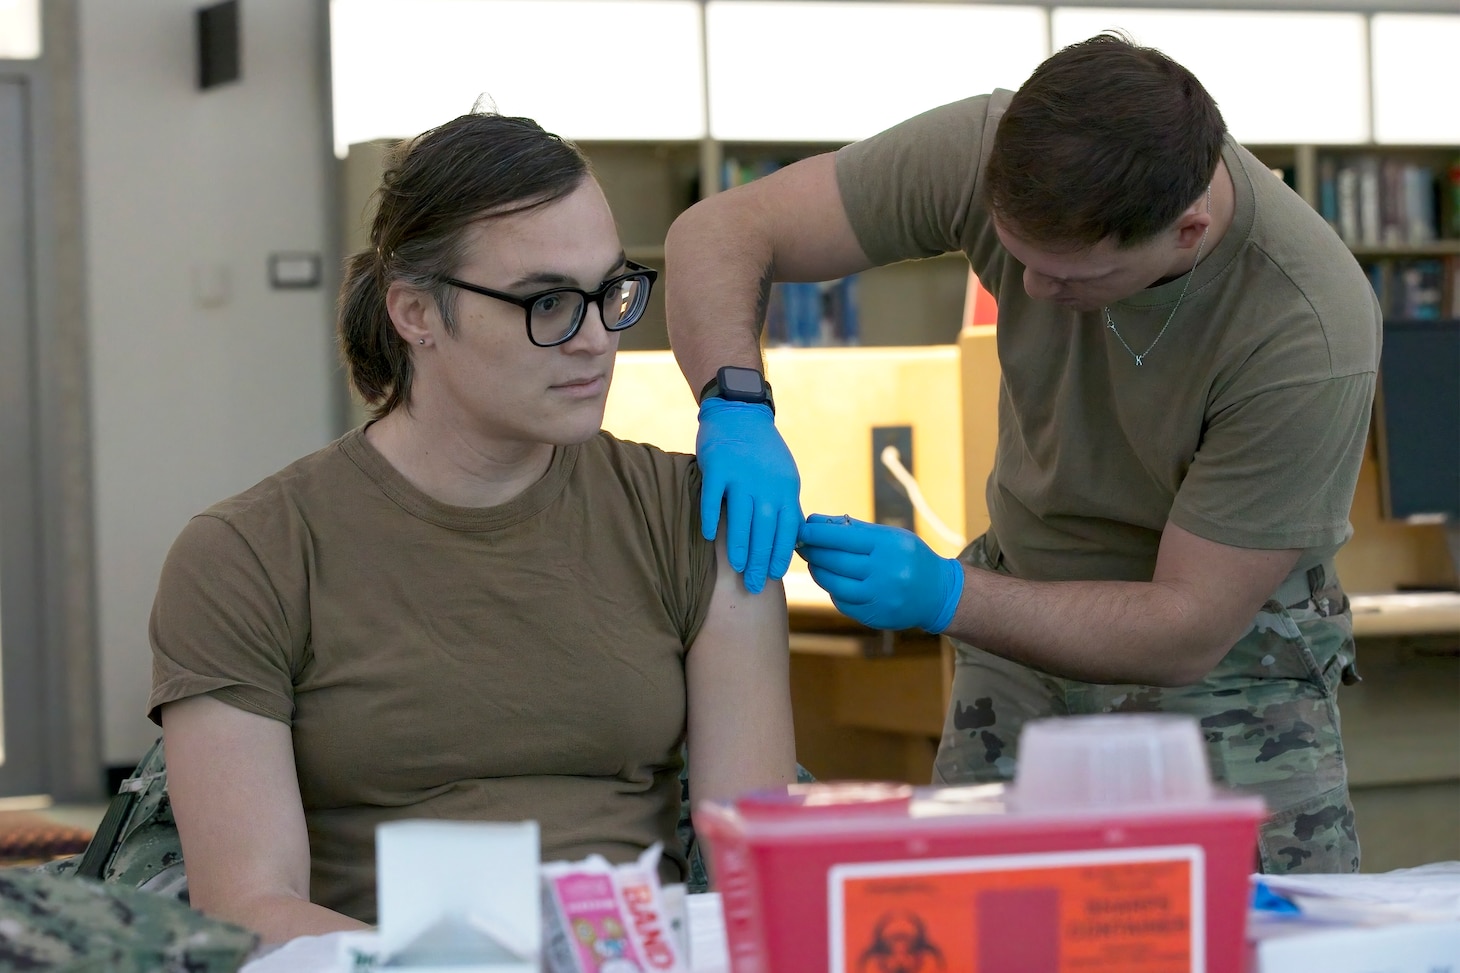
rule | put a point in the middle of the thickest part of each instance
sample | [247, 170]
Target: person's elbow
[706, 226]
[264, 912]
[1193, 646]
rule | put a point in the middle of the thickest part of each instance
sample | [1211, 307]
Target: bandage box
[603, 918]
[853, 878]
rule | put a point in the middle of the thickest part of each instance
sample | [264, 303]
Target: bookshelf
[1399, 213]
[1398, 209]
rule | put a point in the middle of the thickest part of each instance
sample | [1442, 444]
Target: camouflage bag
[49, 922]
[136, 843]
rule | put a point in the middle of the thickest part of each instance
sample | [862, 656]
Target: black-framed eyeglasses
[554, 316]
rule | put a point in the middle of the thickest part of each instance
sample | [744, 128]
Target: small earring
[420, 341]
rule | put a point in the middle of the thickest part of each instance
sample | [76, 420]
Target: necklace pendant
[1138, 359]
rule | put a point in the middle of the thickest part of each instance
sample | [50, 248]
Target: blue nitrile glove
[746, 465]
[884, 577]
[1264, 899]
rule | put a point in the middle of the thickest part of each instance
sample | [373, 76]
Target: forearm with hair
[717, 286]
[1146, 633]
[724, 252]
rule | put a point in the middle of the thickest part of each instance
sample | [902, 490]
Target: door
[22, 743]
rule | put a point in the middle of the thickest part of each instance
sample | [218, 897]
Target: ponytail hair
[435, 186]
[375, 354]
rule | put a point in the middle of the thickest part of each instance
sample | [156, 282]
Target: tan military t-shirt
[523, 661]
[1245, 425]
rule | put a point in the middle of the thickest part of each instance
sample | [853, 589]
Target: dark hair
[1105, 139]
[434, 187]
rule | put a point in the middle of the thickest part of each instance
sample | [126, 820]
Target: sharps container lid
[837, 799]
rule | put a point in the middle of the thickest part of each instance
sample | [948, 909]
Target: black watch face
[745, 381]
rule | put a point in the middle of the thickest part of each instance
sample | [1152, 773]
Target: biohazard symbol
[900, 944]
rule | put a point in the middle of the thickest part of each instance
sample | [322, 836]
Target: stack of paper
[1405, 921]
[708, 951]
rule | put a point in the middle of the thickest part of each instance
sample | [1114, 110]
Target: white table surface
[1429, 894]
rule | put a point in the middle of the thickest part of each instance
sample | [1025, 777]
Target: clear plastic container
[1111, 760]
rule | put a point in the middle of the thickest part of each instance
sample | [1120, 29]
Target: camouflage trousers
[51, 922]
[1269, 713]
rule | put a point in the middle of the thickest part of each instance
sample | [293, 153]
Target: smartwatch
[736, 384]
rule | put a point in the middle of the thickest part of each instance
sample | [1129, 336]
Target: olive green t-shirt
[1246, 423]
[522, 661]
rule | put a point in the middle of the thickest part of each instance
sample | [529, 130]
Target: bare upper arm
[1222, 587]
[235, 795]
[737, 674]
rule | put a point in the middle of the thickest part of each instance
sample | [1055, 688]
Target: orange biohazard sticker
[1135, 910]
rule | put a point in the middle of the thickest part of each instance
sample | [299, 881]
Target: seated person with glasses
[478, 605]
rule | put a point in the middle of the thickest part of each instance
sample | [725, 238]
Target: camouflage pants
[1268, 710]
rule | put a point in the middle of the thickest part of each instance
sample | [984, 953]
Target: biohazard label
[1117, 911]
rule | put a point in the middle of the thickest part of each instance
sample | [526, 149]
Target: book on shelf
[1450, 200]
[1370, 227]
[1328, 191]
[1452, 288]
[1346, 219]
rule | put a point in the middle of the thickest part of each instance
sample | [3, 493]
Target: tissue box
[454, 897]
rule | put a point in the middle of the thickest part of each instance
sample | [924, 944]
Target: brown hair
[434, 187]
[1105, 139]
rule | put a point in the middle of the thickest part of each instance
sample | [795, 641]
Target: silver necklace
[1110, 322]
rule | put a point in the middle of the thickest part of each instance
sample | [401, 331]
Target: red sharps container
[1111, 853]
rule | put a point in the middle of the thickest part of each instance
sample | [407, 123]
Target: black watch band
[736, 384]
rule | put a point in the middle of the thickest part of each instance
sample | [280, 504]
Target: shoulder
[298, 484]
[1304, 286]
[275, 512]
[958, 123]
[965, 115]
[914, 189]
[636, 462]
[638, 483]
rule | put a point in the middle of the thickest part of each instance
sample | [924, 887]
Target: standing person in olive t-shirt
[476, 606]
[1188, 359]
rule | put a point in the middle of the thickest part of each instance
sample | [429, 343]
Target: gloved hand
[747, 467]
[884, 577]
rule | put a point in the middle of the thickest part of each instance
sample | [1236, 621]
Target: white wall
[191, 403]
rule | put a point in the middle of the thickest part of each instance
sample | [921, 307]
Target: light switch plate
[890, 502]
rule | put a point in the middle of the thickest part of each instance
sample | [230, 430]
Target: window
[20, 29]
